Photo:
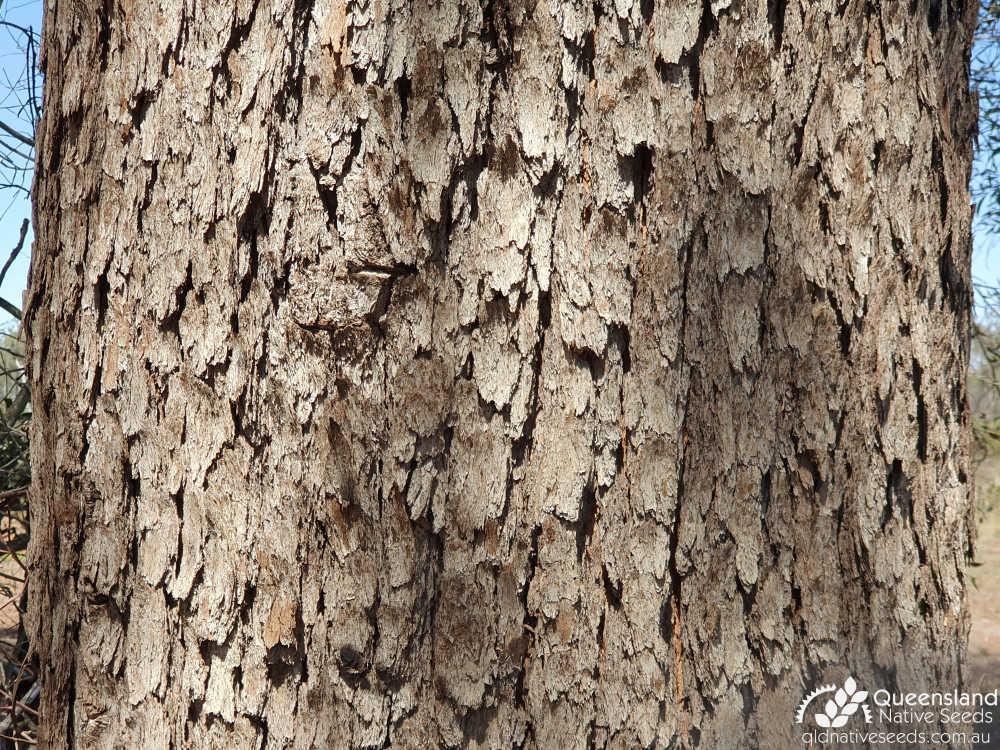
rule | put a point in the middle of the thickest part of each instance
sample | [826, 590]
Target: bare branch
[20, 136]
[15, 251]
[10, 308]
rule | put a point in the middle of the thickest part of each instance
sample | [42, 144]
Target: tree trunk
[545, 375]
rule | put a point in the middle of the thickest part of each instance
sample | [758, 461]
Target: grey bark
[540, 375]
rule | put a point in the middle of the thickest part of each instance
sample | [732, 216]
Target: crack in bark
[529, 622]
[776, 10]
[671, 611]
[799, 128]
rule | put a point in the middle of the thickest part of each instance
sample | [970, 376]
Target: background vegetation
[20, 101]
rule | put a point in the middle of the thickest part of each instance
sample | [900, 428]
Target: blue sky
[15, 207]
[985, 258]
[14, 204]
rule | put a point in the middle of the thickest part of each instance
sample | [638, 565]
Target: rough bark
[540, 375]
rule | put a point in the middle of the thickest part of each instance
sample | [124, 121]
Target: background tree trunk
[551, 375]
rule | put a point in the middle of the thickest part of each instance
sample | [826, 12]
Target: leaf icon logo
[841, 704]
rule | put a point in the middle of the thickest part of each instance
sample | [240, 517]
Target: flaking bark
[539, 375]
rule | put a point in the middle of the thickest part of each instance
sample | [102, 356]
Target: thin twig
[15, 251]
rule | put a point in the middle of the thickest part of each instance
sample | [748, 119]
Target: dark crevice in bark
[670, 622]
[921, 552]
[776, 10]
[260, 724]
[171, 322]
[612, 591]
[918, 375]
[139, 108]
[467, 172]
[934, 15]
[352, 665]
[824, 217]
[433, 570]
[327, 195]
[873, 10]
[750, 702]
[646, 10]
[765, 493]
[178, 498]
[846, 328]
[747, 595]
[521, 447]
[392, 680]
[439, 230]
[691, 58]
[67, 131]
[529, 737]
[547, 185]
[253, 268]
[897, 495]
[585, 522]
[505, 158]
[104, 33]
[404, 88]
[689, 62]
[796, 593]
[239, 32]
[529, 621]
[289, 96]
[953, 286]
[599, 640]
[183, 36]
[638, 168]
[590, 361]
[583, 55]
[937, 166]
[359, 73]
[500, 37]
[102, 290]
[300, 640]
[799, 128]
[392, 274]
[619, 335]
[249, 597]
[147, 196]
[193, 716]
[254, 222]
[839, 419]
[572, 96]
[922, 286]
[352, 155]
[671, 74]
